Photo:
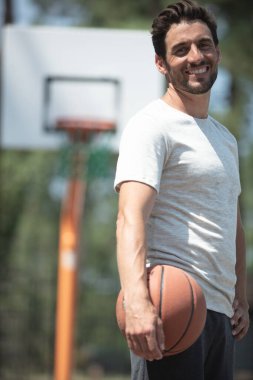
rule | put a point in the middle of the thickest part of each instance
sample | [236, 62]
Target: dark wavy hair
[185, 10]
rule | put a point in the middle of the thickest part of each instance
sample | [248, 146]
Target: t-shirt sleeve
[142, 154]
[238, 165]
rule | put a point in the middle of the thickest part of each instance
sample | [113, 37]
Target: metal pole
[70, 219]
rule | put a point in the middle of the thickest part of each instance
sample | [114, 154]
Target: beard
[202, 87]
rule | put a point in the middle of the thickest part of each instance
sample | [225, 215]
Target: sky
[25, 11]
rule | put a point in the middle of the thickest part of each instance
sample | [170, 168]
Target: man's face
[191, 57]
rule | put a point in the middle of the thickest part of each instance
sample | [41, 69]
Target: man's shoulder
[223, 129]
[148, 126]
[148, 119]
[151, 110]
[154, 114]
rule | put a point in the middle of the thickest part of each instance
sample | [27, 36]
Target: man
[178, 183]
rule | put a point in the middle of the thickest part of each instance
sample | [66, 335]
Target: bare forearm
[135, 205]
[143, 330]
[241, 270]
[240, 319]
[131, 256]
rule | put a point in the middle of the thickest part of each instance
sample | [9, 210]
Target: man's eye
[181, 51]
[205, 46]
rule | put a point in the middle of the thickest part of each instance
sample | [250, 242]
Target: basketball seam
[190, 318]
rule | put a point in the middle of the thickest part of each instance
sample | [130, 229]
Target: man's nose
[195, 54]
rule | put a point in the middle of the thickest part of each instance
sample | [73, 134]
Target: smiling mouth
[199, 70]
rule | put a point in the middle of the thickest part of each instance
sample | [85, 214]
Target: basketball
[180, 304]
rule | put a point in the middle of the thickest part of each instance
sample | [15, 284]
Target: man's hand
[240, 319]
[144, 331]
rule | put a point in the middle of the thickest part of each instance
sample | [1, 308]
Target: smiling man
[190, 44]
[178, 182]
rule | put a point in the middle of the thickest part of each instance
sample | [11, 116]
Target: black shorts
[211, 357]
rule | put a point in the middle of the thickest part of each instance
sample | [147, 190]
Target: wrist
[241, 300]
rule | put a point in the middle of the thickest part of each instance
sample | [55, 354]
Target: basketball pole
[79, 131]
[70, 220]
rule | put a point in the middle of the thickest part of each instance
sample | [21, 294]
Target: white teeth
[198, 71]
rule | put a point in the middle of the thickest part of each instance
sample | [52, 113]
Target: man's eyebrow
[206, 39]
[186, 42]
[180, 44]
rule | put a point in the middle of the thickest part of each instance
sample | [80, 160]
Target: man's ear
[160, 64]
[219, 53]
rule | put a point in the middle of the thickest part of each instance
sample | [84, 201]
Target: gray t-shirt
[193, 165]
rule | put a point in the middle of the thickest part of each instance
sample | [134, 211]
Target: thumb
[160, 335]
[235, 304]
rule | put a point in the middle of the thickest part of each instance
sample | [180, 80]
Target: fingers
[239, 334]
[153, 350]
[147, 344]
[239, 329]
[236, 317]
[134, 345]
[235, 304]
[239, 321]
[144, 347]
[140, 346]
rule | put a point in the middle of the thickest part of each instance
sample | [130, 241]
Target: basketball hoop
[82, 129]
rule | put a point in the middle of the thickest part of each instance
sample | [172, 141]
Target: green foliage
[28, 253]
[121, 14]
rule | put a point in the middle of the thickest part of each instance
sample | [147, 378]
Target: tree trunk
[8, 12]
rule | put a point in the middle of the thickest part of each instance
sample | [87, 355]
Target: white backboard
[53, 72]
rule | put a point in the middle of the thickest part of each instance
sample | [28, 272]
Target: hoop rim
[84, 125]
[81, 129]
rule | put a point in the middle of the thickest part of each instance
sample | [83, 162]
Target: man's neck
[191, 104]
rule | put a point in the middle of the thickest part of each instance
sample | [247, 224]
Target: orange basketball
[180, 303]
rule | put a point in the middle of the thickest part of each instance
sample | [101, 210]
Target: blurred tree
[28, 233]
[8, 12]
[236, 41]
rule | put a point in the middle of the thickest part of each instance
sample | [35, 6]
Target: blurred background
[32, 186]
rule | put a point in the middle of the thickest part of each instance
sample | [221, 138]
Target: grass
[83, 377]
[115, 377]
[240, 376]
